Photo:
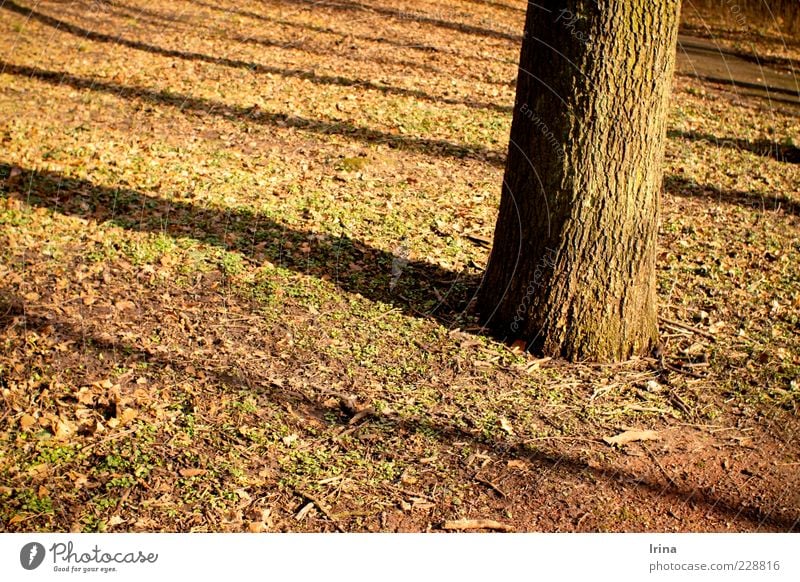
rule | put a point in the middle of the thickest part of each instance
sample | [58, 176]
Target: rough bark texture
[572, 267]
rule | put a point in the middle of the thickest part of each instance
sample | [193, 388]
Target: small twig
[584, 516]
[463, 524]
[562, 438]
[687, 327]
[110, 437]
[412, 493]
[491, 486]
[681, 370]
[660, 466]
[321, 507]
[677, 400]
[385, 313]
[479, 240]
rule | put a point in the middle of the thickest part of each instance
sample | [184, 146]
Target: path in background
[747, 75]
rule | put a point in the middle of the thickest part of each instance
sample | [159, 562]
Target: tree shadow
[423, 289]
[153, 16]
[408, 16]
[300, 44]
[762, 147]
[690, 47]
[547, 462]
[436, 147]
[718, 33]
[239, 64]
[680, 186]
[498, 5]
[550, 464]
[771, 94]
[422, 47]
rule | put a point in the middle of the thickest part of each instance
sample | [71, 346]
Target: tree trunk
[572, 269]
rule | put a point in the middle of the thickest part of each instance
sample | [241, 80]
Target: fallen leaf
[653, 386]
[127, 415]
[85, 396]
[64, 429]
[630, 436]
[192, 472]
[26, 421]
[506, 426]
[515, 464]
[18, 518]
[519, 346]
[124, 304]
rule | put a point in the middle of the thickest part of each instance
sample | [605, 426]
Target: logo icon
[31, 555]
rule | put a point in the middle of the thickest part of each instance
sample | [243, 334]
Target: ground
[238, 247]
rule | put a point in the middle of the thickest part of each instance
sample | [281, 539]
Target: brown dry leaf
[18, 518]
[192, 472]
[506, 426]
[516, 464]
[124, 304]
[630, 436]
[26, 422]
[696, 349]
[85, 396]
[115, 520]
[64, 429]
[519, 346]
[78, 479]
[127, 415]
[716, 327]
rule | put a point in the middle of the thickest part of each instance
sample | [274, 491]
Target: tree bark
[572, 268]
